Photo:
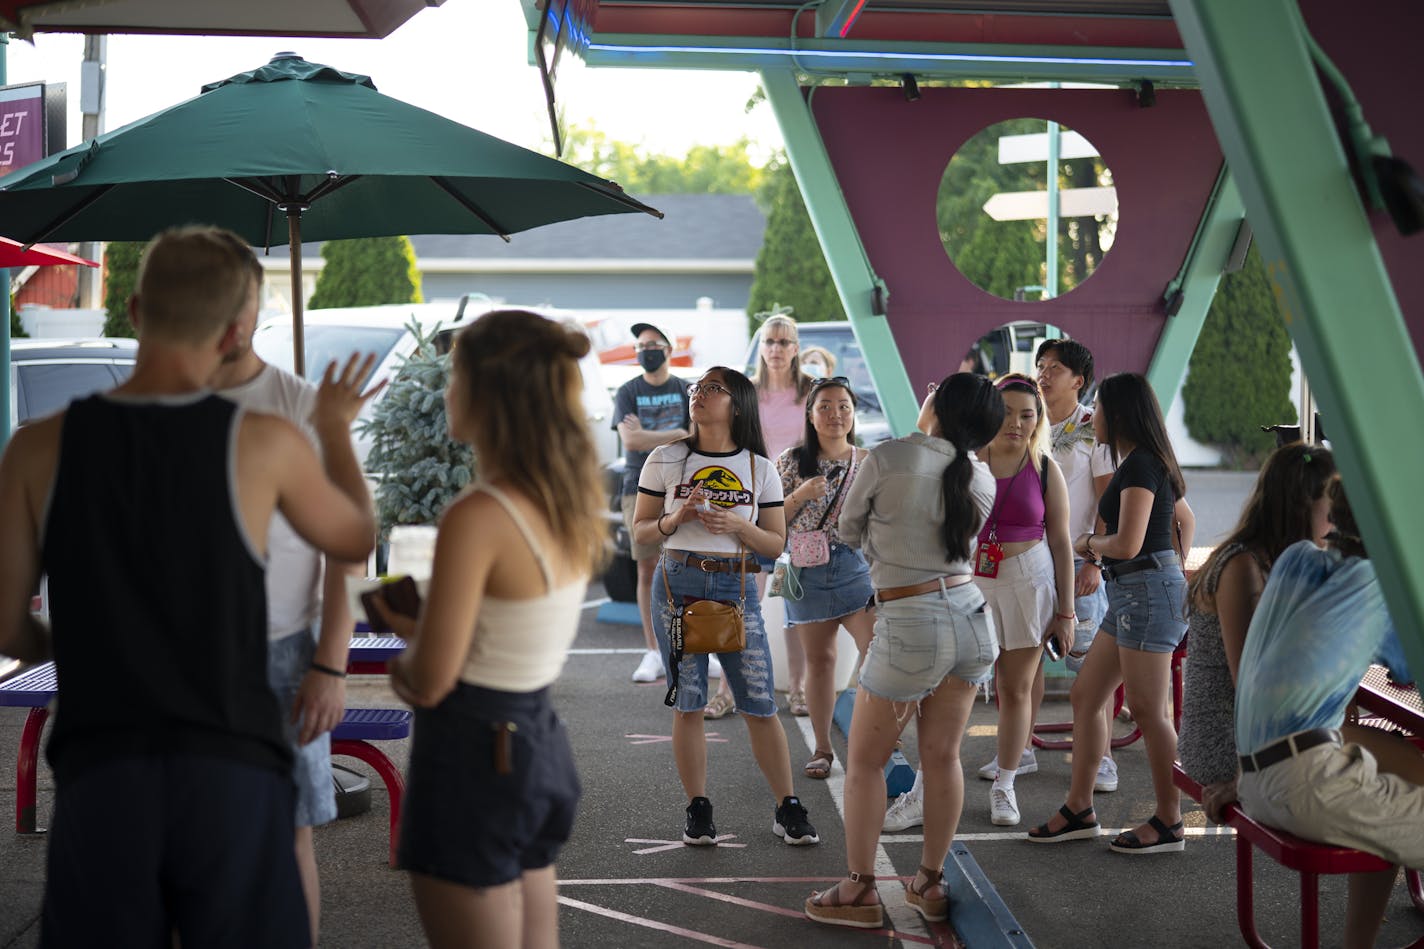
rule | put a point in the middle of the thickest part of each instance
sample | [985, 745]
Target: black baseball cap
[639, 328]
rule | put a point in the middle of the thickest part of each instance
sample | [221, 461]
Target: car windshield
[324, 344]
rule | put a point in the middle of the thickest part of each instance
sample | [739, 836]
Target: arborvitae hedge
[790, 267]
[1239, 375]
[120, 274]
[369, 271]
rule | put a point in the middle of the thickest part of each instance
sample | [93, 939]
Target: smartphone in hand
[1053, 647]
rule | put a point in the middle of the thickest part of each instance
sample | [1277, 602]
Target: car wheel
[620, 580]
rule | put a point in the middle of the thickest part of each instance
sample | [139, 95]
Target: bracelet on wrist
[326, 670]
[1072, 616]
[660, 526]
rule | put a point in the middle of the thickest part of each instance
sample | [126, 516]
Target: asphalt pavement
[627, 881]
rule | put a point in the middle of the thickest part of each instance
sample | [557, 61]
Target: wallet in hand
[400, 596]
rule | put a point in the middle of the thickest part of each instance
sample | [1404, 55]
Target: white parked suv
[334, 334]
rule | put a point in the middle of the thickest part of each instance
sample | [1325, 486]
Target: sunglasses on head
[832, 381]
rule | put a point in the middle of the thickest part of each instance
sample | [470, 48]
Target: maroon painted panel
[1383, 67]
[890, 155]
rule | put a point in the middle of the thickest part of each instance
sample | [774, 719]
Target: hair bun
[576, 342]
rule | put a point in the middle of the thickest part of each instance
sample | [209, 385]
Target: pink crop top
[1018, 508]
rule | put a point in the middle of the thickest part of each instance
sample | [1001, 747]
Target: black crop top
[1141, 469]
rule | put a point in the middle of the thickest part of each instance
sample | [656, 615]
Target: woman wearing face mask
[816, 475]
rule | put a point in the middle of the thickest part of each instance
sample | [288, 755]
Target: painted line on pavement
[653, 924]
[607, 652]
[590, 604]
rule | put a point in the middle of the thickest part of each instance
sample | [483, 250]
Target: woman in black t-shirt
[1146, 531]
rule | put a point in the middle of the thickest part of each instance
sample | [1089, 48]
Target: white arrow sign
[1014, 149]
[1033, 205]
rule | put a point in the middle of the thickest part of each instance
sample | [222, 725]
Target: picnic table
[1399, 705]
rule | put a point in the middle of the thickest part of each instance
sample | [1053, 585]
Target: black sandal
[1077, 828]
[1169, 839]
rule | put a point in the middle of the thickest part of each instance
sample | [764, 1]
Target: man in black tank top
[147, 508]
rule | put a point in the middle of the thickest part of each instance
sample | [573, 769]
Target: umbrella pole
[294, 248]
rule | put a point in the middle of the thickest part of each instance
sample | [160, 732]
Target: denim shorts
[748, 673]
[920, 640]
[1145, 608]
[465, 819]
[1089, 610]
[837, 588]
[288, 660]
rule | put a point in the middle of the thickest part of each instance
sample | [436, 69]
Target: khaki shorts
[1336, 795]
[640, 551]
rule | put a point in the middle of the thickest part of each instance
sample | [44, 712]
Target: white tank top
[521, 645]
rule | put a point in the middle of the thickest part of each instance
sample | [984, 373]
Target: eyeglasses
[778, 343]
[707, 388]
[644, 347]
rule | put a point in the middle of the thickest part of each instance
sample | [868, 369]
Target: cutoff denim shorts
[920, 640]
[1145, 608]
[837, 588]
[288, 660]
[1090, 610]
[748, 673]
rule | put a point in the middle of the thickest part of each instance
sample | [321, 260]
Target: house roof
[726, 227]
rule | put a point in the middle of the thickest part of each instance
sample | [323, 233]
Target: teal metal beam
[855, 281]
[834, 18]
[997, 62]
[1196, 282]
[1330, 283]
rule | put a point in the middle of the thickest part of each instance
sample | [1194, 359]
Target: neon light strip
[850, 20]
[866, 55]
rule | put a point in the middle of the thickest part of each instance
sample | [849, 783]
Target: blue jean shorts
[837, 588]
[288, 660]
[748, 673]
[920, 640]
[1089, 610]
[1145, 608]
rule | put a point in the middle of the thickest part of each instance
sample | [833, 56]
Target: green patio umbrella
[297, 151]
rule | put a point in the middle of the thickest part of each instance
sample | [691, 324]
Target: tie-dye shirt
[1321, 621]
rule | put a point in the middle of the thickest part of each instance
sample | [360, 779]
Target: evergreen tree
[368, 271]
[1239, 375]
[419, 467]
[120, 275]
[705, 169]
[790, 267]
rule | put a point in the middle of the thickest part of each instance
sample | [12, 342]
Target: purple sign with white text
[31, 118]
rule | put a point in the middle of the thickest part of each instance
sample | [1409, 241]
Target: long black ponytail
[970, 412]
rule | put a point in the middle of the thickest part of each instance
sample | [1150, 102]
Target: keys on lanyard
[988, 557]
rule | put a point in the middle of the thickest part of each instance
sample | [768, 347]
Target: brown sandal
[819, 767]
[825, 906]
[933, 910]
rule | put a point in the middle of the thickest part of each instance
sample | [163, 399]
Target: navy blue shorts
[146, 846]
[462, 820]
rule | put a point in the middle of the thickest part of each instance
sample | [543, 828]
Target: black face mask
[652, 359]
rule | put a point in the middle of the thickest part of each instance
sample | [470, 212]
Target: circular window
[993, 209]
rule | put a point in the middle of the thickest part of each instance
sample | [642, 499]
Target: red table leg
[26, 791]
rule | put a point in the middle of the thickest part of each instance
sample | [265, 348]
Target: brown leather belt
[1288, 747]
[713, 564]
[929, 586]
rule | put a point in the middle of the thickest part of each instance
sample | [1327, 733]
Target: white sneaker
[1003, 807]
[1107, 776]
[714, 667]
[907, 811]
[1028, 764]
[650, 669]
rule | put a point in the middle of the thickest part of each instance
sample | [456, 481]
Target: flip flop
[819, 767]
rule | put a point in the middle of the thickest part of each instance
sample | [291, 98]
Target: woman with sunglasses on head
[715, 503]
[492, 787]
[820, 598]
[914, 509]
[1148, 532]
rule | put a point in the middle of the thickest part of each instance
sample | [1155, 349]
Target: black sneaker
[792, 824]
[700, 831]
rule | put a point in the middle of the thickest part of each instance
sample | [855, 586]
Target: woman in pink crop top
[1024, 566]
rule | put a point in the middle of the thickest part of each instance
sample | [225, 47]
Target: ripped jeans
[748, 673]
